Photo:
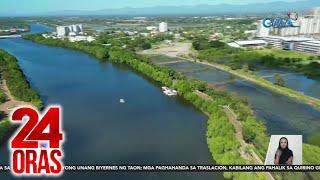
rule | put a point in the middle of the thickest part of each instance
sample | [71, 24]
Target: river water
[150, 128]
[281, 114]
[296, 81]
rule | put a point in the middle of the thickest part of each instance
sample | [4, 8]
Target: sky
[43, 6]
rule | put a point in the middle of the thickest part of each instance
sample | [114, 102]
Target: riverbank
[95, 50]
[16, 81]
[17, 91]
[218, 121]
[265, 83]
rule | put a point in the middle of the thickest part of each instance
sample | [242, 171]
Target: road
[239, 135]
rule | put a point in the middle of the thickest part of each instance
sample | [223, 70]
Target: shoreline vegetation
[221, 138]
[18, 86]
[95, 50]
[238, 58]
[312, 101]
[243, 63]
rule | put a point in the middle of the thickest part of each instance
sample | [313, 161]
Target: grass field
[284, 53]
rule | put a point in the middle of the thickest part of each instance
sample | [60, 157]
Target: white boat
[169, 92]
[122, 101]
[164, 88]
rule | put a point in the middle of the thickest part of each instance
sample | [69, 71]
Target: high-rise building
[66, 30]
[62, 31]
[163, 27]
[80, 26]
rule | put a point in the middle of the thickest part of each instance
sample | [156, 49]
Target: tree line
[238, 58]
[96, 50]
[18, 86]
[16, 81]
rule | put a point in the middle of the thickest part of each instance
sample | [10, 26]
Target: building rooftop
[311, 43]
[295, 38]
[250, 42]
[233, 44]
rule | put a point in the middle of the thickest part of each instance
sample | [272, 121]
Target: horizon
[46, 7]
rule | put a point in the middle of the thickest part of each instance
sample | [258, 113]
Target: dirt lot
[172, 50]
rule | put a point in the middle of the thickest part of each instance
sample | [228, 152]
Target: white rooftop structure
[233, 44]
[248, 43]
[151, 28]
[284, 42]
[81, 38]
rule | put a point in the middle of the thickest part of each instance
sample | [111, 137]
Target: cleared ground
[171, 50]
[11, 102]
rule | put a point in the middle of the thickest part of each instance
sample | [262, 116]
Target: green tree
[146, 45]
[2, 97]
[279, 80]
[245, 67]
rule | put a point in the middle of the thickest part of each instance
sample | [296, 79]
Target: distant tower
[163, 27]
[80, 26]
[62, 31]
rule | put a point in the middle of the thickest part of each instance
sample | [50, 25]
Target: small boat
[169, 92]
[122, 101]
[164, 88]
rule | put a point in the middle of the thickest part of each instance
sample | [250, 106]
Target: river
[281, 114]
[150, 128]
[296, 81]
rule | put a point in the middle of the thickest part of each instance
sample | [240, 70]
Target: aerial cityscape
[166, 83]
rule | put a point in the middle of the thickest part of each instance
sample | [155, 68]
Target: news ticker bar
[187, 168]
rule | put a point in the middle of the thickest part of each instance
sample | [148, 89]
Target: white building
[63, 31]
[145, 34]
[284, 42]
[81, 38]
[151, 28]
[163, 27]
[275, 41]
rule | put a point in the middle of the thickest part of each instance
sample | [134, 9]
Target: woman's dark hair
[279, 147]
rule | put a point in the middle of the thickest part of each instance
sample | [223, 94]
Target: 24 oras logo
[281, 22]
[36, 146]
